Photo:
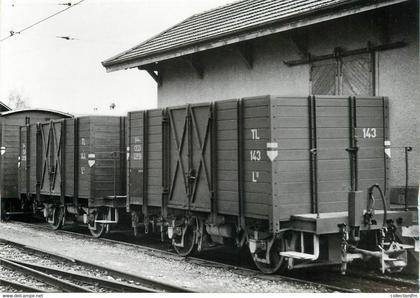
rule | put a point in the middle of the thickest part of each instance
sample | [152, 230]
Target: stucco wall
[398, 78]
[227, 76]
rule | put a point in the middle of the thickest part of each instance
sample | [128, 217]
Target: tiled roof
[228, 20]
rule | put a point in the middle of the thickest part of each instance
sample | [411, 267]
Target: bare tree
[17, 100]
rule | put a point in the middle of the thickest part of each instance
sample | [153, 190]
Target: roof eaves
[315, 16]
[6, 113]
[109, 60]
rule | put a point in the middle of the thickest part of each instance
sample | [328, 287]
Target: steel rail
[21, 287]
[384, 279]
[45, 278]
[202, 262]
[101, 282]
[152, 285]
[238, 269]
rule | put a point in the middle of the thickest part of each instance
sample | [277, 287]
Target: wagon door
[190, 158]
[51, 147]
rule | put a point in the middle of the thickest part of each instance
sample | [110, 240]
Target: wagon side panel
[371, 135]
[136, 145]
[178, 158]
[70, 152]
[227, 157]
[154, 158]
[85, 140]
[257, 166]
[333, 144]
[108, 169]
[291, 164]
[23, 160]
[9, 169]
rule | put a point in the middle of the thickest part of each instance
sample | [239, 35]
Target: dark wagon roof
[65, 115]
[236, 22]
[4, 107]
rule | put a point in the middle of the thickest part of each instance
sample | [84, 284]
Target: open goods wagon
[10, 123]
[293, 178]
[74, 169]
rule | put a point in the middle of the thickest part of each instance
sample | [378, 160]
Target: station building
[296, 48]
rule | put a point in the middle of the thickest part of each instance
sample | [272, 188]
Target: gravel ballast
[128, 259]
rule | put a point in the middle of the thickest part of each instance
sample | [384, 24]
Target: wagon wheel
[100, 228]
[4, 210]
[57, 217]
[277, 262]
[6, 217]
[190, 245]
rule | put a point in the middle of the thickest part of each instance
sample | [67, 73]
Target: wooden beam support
[383, 22]
[369, 49]
[300, 41]
[195, 63]
[246, 52]
[154, 73]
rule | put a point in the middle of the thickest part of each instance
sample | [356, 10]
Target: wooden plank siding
[291, 172]
[257, 166]
[107, 142]
[145, 158]
[10, 129]
[227, 191]
[291, 176]
[97, 138]
[272, 190]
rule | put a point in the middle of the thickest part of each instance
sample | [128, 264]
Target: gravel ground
[6, 289]
[135, 261]
[20, 278]
[20, 254]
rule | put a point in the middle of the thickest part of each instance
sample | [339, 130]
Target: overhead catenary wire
[13, 33]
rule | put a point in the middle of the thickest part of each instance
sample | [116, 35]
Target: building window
[352, 75]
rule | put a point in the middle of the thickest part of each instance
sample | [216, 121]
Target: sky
[67, 75]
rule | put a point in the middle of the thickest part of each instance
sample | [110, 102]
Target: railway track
[69, 281]
[20, 287]
[356, 281]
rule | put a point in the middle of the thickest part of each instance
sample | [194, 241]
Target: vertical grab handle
[406, 150]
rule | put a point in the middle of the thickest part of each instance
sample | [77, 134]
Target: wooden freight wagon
[10, 123]
[145, 193]
[75, 167]
[281, 174]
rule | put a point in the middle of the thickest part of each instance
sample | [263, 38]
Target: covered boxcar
[293, 178]
[74, 169]
[10, 123]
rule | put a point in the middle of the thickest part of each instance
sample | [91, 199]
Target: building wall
[227, 76]
[398, 78]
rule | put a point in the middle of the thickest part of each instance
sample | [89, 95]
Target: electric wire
[13, 33]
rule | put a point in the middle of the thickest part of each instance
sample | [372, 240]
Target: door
[51, 141]
[351, 75]
[191, 185]
[324, 77]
